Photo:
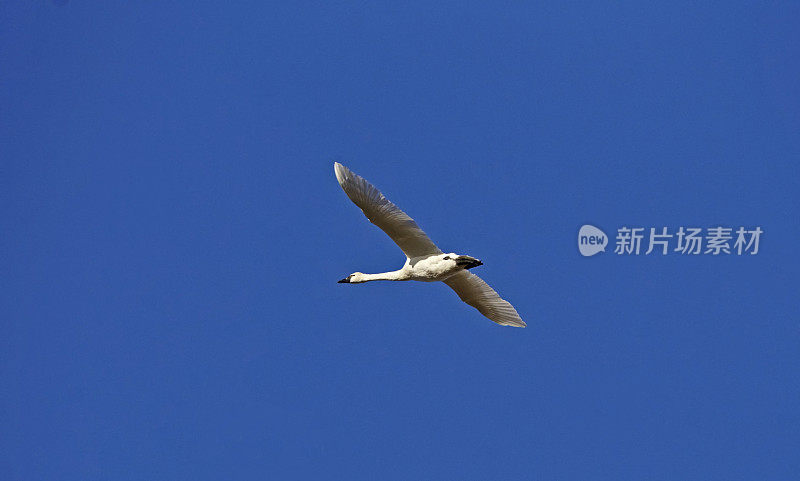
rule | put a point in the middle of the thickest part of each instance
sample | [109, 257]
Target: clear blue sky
[173, 233]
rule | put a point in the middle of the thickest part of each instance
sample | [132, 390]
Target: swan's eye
[447, 258]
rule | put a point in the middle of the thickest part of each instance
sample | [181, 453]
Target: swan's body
[424, 261]
[426, 269]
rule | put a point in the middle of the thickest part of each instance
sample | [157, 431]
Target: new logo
[591, 240]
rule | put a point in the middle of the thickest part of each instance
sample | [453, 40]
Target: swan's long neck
[398, 275]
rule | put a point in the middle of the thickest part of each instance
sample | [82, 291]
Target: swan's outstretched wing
[472, 290]
[396, 223]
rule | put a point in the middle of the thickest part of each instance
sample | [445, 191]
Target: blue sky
[173, 233]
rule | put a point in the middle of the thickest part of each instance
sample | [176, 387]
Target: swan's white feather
[478, 294]
[381, 212]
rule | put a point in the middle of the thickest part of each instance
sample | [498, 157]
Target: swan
[424, 261]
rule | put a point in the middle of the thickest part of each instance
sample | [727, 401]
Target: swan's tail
[468, 262]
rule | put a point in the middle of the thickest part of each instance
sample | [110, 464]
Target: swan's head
[354, 278]
[464, 262]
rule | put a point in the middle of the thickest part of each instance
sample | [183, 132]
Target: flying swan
[424, 261]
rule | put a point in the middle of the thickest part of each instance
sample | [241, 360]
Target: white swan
[424, 261]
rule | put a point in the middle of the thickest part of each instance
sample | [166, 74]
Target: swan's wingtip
[340, 172]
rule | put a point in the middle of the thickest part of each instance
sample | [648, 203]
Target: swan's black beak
[468, 262]
[346, 280]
